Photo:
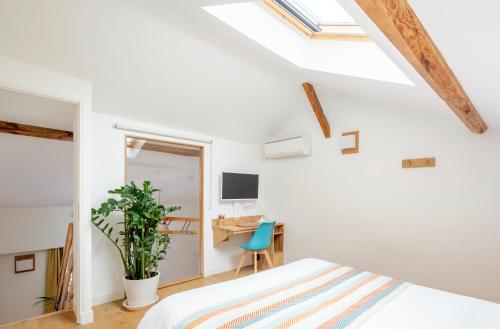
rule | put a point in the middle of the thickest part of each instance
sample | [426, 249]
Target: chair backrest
[263, 234]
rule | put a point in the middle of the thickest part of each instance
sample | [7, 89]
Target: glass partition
[177, 171]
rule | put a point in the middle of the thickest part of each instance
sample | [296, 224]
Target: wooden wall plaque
[419, 163]
[24, 263]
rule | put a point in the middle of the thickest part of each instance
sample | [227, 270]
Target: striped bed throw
[336, 297]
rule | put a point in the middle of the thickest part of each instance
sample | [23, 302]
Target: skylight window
[287, 37]
[322, 12]
[318, 19]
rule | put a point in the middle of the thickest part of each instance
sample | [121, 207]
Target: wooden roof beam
[316, 106]
[171, 149]
[397, 20]
[35, 131]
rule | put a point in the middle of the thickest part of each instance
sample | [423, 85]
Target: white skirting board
[107, 297]
[84, 318]
[225, 267]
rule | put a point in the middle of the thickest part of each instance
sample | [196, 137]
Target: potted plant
[139, 242]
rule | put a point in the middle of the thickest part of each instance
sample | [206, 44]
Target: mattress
[313, 293]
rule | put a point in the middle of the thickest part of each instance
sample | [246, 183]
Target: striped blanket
[333, 297]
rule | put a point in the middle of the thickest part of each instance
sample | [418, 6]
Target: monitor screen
[239, 186]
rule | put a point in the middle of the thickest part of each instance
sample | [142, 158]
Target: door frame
[201, 196]
[33, 80]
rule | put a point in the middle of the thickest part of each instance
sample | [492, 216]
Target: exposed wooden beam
[397, 20]
[316, 106]
[35, 131]
[171, 149]
[134, 144]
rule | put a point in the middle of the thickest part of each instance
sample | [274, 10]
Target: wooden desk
[223, 229]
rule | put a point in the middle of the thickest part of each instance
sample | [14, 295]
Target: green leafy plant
[139, 241]
[47, 301]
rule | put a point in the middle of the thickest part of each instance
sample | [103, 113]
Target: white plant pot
[141, 292]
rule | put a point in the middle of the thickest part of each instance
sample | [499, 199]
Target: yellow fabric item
[54, 263]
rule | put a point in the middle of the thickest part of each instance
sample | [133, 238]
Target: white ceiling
[171, 63]
[35, 171]
[35, 110]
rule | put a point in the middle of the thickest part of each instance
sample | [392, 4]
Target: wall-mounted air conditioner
[289, 147]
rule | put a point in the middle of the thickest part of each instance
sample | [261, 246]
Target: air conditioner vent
[289, 147]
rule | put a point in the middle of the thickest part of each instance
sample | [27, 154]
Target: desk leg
[279, 249]
[255, 262]
[276, 252]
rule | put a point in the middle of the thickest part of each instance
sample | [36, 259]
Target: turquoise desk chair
[261, 240]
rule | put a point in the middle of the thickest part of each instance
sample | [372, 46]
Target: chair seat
[261, 239]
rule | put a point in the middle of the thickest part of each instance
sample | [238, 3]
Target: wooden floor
[112, 315]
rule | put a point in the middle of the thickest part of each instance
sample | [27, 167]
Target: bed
[313, 293]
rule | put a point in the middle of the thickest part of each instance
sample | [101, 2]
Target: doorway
[177, 171]
[37, 175]
[33, 80]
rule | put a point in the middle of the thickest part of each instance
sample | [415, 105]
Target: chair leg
[255, 262]
[268, 259]
[240, 264]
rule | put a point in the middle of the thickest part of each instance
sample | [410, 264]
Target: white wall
[229, 156]
[35, 171]
[437, 227]
[108, 173]
[19, 291]
[33, 228]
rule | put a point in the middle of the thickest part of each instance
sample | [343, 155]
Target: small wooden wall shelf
[355, 149]
[419, 163]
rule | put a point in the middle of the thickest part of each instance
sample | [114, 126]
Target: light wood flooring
[112, 315]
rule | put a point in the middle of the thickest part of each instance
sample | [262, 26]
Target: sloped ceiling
[171, 63]
[463, 31]
[35, 110]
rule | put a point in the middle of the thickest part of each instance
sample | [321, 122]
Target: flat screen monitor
[239, 186]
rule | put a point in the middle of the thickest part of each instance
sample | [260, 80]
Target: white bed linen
[417, 307]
